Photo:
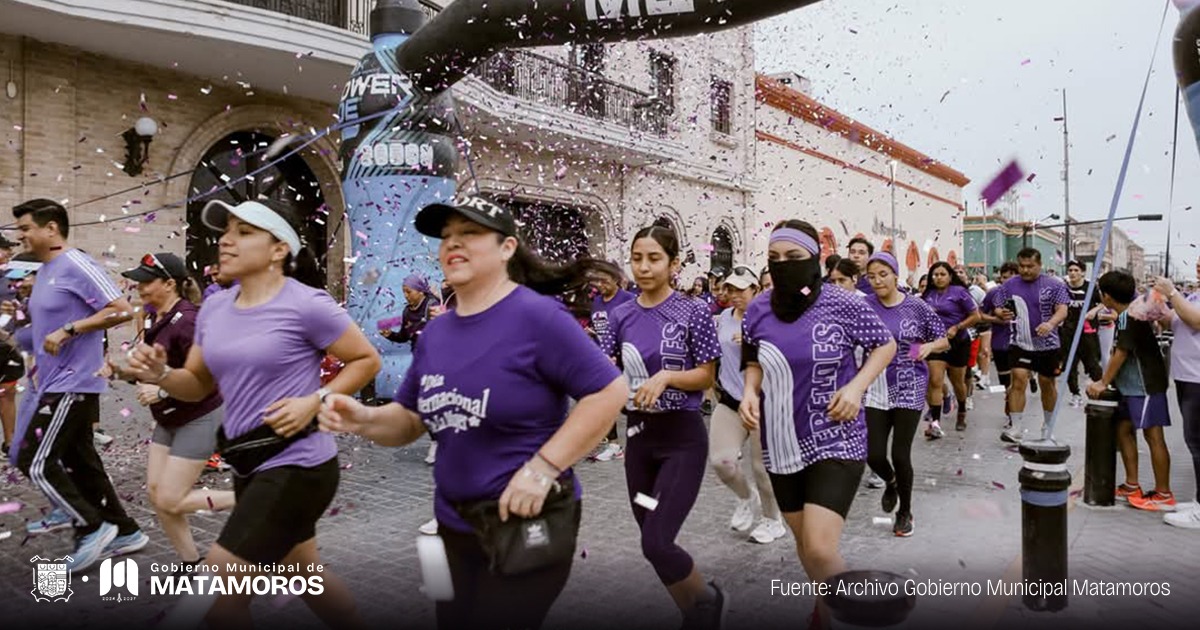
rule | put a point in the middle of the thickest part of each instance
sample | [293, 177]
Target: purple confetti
[1002, 183]
[998, 485]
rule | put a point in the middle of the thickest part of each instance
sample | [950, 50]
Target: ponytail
[303, 267]
[529, 269]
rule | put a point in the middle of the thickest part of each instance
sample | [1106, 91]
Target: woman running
[845, 274]
[894, 400]
[952, 301]
[185, 433]
[421, 307]
[492, 379]
[727, 436]
[261, 344]
[667, 345]
[802, 383]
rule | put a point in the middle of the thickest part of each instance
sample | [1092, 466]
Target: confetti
[1002, 183]
[649, 503]
[125, 412]
[999, 485]
[10, 507]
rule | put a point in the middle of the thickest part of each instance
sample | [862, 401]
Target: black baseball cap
[5, 243]
[163, 265]
[481, 209]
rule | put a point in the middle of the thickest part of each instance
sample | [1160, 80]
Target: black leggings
[1189, 408]
[880, 423]
[1088, 354]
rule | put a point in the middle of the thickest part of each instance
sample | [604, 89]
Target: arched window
[828, 243]
[912, 259]
[887, 246]
[933, 257]
[952, 258]
[722, 249]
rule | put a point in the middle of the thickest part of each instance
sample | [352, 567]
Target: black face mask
[789, 299]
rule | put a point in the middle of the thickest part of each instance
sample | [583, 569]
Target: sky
[977, 83]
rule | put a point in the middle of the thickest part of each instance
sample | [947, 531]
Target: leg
[879, 426]
[937, 377]
[1073, 369]
[335, 606]
[1016, 393]
[229, 612]
[170, 481]
[48, 438]
[1160, 459]
[985, 354]
[1189, 409]
[905, 422]
[1127, 443]
[726, 438]
[958, 380]
[761, 479]
[8, 409]
[87, 470]
[1049, 392]
[1089, 351]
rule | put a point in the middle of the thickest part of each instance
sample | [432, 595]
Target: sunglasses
[150, 260]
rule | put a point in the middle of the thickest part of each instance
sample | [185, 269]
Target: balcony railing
[519, 73]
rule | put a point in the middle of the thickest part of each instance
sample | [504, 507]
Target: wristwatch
[69, 328]
[162, 394]
[323, 393]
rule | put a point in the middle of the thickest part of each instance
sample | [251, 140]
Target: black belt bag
[251, 450]
[522, 545]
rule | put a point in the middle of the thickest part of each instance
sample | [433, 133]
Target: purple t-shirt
[952, 306]
[678, 334]
[174, 331]
[269, 352]
[1036, 302]
[1002, 331]
[70, 288]
[912, 323]
[601, 310]
[804, 363]
[493, 388]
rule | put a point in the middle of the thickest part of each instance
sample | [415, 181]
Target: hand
[952, 332]
[737, 338]
[147, 363]
[107, 370]
[54, 341]
[343, 414]
[1004, 314]
[434, 311]
[647, 395]
[526, 491]
[1164, 286]
[749, 410]
[290, 415]
[9, 307]
[845, 404]
[925, 351]
[1045, 329]
[147, 394]
[1095, 389]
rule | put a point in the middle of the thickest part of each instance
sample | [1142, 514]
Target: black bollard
[1045, 481]
[1100, 450]
[868, 599]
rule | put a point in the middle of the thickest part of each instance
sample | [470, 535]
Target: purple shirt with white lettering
[1036, 302]
[494, 387]
[912, 323]
[262, 354]
[602, 310]
[678, 334]
[804, 363]
[70, 288]
[952, 305]
[1001, 332]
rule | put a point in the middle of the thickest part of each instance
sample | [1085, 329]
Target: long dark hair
[301, 265]
[527, 268]
[848, 268]
[954, 279]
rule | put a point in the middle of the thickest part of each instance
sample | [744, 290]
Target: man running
[860, 249]
[73, 303]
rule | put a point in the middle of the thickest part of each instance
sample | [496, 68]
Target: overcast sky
[975, 83]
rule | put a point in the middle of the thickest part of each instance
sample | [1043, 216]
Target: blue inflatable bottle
[393, 165]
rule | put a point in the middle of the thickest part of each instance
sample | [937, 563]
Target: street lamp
[1137, 217]
[1025, 229]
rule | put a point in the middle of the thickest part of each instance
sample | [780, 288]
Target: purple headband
[416, 283]
[887, 259]
[794, 236]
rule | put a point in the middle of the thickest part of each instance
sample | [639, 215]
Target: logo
[51, 579]
[536, 534]
[117, 575]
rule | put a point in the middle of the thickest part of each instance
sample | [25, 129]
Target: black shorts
[12, 364]
[958, 356]
[1047, 363]
[829, 483]
[1002, 360]
[278, 509]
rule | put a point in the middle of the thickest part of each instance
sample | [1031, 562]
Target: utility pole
[1066, 183]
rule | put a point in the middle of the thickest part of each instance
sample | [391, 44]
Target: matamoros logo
[51, 579]
[118, 576]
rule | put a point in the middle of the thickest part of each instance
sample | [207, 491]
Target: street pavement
[968, 529]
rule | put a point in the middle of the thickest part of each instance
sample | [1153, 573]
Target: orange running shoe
[1126, 491]
[1154, 502]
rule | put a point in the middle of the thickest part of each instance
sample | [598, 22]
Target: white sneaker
[875, 481]
[431, 456]
[768, 531]
[609, 451]
[430, 528]
[743, 515]
[970, 404]
[1185, 518]
[101, 438]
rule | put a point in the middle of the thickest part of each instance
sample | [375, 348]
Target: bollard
[868, 599]
[1044, 485]
[1100, 450]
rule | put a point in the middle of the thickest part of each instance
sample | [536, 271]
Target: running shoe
[961, 424]
[101, 438]
[1076, 401]
[1186, 518]
[431, 456]
[430, 528]
[743, 514]
[1126, 491]
[767, 531]
[57, 519]
[904, 525]
[890, 496]
[1010, 434]
[981, 384]
[1033, 384]
[875, 481]
[89, 549]
[708, 614]
[609, 452]
[970, 406]
[934, 431]
[216, 464]
[1154, 501]
[706, 407]
[129, 543]
[947, 405]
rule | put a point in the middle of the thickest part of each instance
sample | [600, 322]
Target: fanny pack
[250, 450]
[521, 545]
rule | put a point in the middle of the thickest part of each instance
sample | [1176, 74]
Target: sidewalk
[966, 504]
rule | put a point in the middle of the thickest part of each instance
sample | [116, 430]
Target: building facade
[991, 240]
[1121, 253]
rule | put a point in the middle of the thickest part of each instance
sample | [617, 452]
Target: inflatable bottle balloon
[393, 165]
[1187, 60]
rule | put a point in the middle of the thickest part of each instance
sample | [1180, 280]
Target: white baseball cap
[216, 216]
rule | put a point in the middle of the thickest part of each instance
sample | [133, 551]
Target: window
[722, 249]
[720, 100]
[662, 81]
[586, 89]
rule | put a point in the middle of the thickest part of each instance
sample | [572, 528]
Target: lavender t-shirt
[804, 363]
[678, 334]
[952, 306]
[70, 288]
[1185, 349]
[912, 323]
[1002, 331]
[493, 388]
[265, 353]
[1036, 302]
[729, 374]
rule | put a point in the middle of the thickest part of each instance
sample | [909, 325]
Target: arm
[848, 400]
[116, 312]
[1048, 326]
[749, 409]
[967, 322]
[1114, 365]
[588, 422]
[389, 425]
[191, 383]
[696, 379]
[1184, 310]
